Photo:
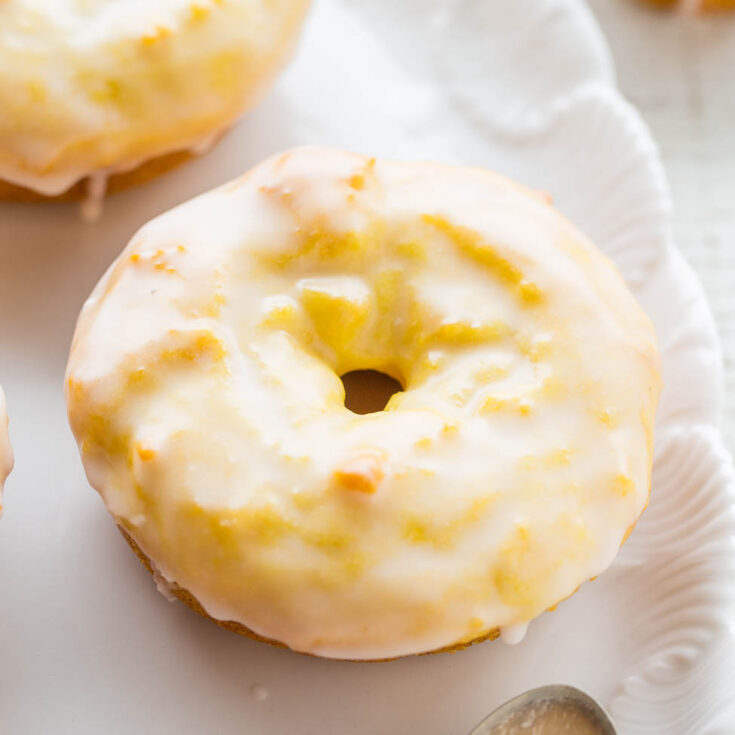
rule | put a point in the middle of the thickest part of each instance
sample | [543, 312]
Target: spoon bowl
[548, 710]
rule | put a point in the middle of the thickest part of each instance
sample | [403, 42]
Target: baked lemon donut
[204, 390]
[6, 453]
[91, 88]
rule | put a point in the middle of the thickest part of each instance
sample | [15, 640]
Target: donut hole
[368, 391]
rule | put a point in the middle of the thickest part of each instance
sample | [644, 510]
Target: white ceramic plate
[87, 645]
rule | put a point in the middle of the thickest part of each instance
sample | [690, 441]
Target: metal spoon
[578, 712]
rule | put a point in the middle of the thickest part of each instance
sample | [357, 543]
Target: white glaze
[531, 383]
[6, 452]
[609, 184]
[90, 87]
[514, 634]
[91, 205]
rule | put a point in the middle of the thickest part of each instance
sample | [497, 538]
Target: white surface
[88, 644]
[678, 70]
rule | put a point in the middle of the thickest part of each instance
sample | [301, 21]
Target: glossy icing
[203, 388]
[90, 86]
[6, 452]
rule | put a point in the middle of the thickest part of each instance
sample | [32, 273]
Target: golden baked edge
[188, 599]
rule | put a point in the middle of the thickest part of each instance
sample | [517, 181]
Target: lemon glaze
[93, 87]
[203, 388]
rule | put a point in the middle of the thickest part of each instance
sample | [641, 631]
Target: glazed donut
[204, 390]
[93, 89]
[6, 453]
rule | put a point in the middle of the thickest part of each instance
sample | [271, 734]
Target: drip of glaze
[513, 634]
[91, 206]
[205, 144]
[96, 184]
[162, 584]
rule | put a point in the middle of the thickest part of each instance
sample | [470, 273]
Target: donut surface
[96, 87]
[204, 390]
[6, 452]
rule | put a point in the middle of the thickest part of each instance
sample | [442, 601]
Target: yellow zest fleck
[607, 417]
[535, 350]
[145, 453]
[558, 457]
[493, 404]
[353, 566]
[460, 397]
[462, 333]
[156, 35]
[204, 345]
[110, 90]
[472, 244]
[37, 91]
[225, 70]
[337, 312]
[215, 305]
[552, 387]
[478, 507]
[623, 485]
[411, 249]
[357, 180]
[444, 535]
[323, 245]
[476, 624]
[363, 472]
[137, 376]
[510, 577]
[266, 523]
[304, 501]
[416, 532]
[530, 292]
[100, 434]
[198, 12]
[76, 390]
[281, 314]
[135, 258]
[330, 541]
